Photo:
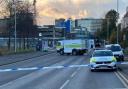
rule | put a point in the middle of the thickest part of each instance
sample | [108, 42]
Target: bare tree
[25, 22]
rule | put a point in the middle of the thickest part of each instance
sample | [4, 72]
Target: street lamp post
[108, 29]
[15, 31]
[53, 37]
[117, 21]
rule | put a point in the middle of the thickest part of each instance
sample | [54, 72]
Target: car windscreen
[115, 48]
[102, 53]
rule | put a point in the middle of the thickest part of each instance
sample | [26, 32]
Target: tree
[108, 26]
[25, 22]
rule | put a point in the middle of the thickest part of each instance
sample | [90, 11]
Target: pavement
[7, 59]
[60, 78]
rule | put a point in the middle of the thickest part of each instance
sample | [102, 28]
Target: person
[38, 46]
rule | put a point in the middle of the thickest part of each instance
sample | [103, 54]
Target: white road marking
[64, 84]
[123, 76]
[73, 74]
[123, 82]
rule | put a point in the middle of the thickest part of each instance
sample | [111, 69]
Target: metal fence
[21, 42]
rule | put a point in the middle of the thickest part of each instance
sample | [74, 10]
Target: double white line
[122, 78]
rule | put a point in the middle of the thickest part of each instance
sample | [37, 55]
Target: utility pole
[108, 29]
[15, 31]
[54, 36]
[117, 21]
[34, 5]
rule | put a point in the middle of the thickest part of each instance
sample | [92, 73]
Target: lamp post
[53, 36]
[117, 22]
[15, 31]
[108, 29]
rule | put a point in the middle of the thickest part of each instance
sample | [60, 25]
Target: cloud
[52, 9]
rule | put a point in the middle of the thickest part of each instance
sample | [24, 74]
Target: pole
[108, 29]
[117, 21]
[53, 37]
[15, 32]
[64, 33]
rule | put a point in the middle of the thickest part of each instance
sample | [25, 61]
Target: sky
[49, 10]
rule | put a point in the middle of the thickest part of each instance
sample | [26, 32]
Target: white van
[74, 47]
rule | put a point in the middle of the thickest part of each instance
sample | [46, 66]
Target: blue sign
[68, 25]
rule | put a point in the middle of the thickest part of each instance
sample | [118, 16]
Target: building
[64, 24]
[51, 34]
[60, 22]
[124, 21]
[80, 33]
[68, 25]
[92, 25]
[80, 28]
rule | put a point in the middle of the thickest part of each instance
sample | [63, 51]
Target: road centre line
[73, 74]
[65, 83]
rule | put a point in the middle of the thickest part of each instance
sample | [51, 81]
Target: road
[63, 78]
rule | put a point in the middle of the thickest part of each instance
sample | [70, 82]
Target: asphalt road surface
[65, 78]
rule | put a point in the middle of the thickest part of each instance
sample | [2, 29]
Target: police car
[103, 59]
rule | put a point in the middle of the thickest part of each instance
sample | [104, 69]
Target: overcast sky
[49, 10]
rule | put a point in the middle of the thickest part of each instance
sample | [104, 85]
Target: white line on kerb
[64, 84]
[123, 82]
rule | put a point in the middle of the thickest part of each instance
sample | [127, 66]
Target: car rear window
[102, 53]
[115, 48]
